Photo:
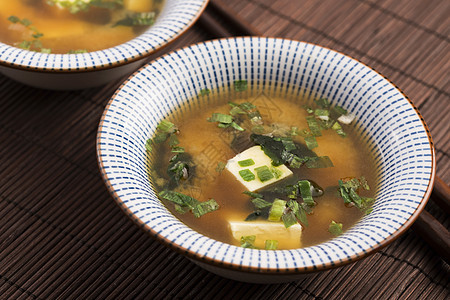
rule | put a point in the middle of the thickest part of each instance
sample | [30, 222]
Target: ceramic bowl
[78, 71]
[387, 120]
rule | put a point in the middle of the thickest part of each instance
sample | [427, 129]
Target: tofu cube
[253, 168]
[288, 238]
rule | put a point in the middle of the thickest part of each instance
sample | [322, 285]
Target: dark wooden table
[62, 236]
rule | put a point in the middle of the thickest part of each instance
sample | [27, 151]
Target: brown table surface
[62, 235]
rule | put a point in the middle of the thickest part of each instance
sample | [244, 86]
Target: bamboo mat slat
[63, 237]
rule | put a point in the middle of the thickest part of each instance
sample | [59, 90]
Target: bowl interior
[175, 18]
[387, 121]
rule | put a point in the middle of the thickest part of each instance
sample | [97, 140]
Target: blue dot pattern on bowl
[387, 121]
[176, 17]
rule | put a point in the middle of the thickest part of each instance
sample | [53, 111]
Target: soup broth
[210, 147]
[55, 26]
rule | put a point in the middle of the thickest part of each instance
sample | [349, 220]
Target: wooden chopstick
[426, 226]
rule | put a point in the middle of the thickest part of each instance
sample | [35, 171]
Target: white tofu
[265, 230]
[261, 159]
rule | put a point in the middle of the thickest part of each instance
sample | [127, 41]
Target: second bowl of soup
[77, 44]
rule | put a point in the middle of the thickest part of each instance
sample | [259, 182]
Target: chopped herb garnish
[179, 168]
[277, 210]
[289, 219]
[322, 102]
[220, 166]
[319, 162]
[248, 241]
[276, 172]
[137, 19]
[240, 85]
[305, 191]
[75, 6]
[335, 228]
[205, 92]
[311, 142]
[247, 175]
[261, 203]
[348, 190]
[186, 202]
[253, 216]
[221, 118]
[246, 162]
[313, 126]
[264, 173]
[271, 245]
[77, 51]
[252, 194]
[338, 128]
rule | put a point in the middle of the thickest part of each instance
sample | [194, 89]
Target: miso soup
[317, 178]
[74, 26]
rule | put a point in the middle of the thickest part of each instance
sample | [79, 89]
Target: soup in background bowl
[199, 80]
[65, 45]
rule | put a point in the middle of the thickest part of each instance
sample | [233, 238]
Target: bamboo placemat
[62, 236]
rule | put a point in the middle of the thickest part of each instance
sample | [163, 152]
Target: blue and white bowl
[386, 118]
[78, 71]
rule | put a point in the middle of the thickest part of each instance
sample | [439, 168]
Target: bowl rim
[100, 65]
[261, 270]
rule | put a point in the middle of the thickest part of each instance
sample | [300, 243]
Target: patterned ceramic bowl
[387, 120]
[77, 71]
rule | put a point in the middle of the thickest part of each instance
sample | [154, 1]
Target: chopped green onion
[236, 126]
[240, 85]
[137, 19]
[148, 145]
[364, 183]
[246, 162]
[204, 92]
[248, 241]
[77, 51]
[220, 166]
[205, 207]
[247, 106]
[271, 244]
[261, 203]
[253, 216]
[321, 113]
[289, 219]
[288, 143]
[322, 102]
[311, 142]
[335, 228]
[305, 191]
[313, 126]
[276, 172]
[247, 175]
[277, 210]
[308, 109]
[264, 173]
[184, 201]
[252, 194]
[221, 118]
[301, 215]
[176, 149]
[337, 111]
[319, 162]
[338, 128]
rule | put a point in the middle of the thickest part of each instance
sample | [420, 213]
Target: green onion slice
[247, 175]
[277, 210]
